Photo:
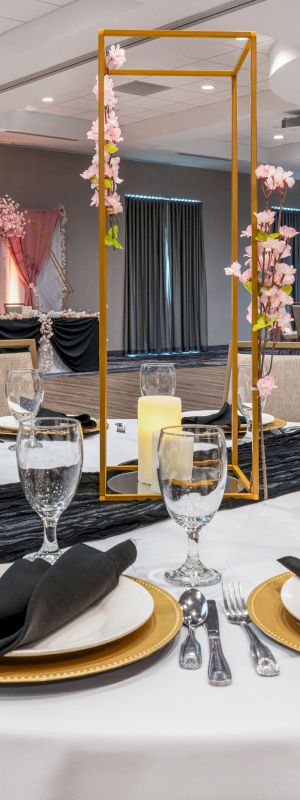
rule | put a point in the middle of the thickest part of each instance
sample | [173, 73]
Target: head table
[157, 731]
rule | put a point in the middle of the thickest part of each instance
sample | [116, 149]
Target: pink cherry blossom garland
[12, 219]
[112, 135]
[275, 276]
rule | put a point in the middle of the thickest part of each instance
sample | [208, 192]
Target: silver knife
[218, 670]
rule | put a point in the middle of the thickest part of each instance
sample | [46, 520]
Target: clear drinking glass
[158, 378]
[24, 389]
[49, 474]
[192, 475]
[245, 399]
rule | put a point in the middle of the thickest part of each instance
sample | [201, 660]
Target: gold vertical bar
[255, 434]
[234, 256]
[102, 269]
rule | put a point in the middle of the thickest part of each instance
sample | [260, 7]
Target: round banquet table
[158, 731]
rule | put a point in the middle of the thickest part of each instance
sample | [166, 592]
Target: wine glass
[50, 474]
[192, 475]
[158, 378]
[245, 399]
[24, 390]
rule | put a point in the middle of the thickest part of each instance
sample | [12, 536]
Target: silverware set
[199, 611]
[285, 430]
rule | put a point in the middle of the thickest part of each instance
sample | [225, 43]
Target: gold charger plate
[152, 637]
[13, 432]
[269, 614]
[276, 423]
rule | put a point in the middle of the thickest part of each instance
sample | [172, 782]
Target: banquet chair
[15, 354]
[296, 315]
[284, 402]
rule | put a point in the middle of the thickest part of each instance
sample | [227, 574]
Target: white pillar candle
[178, 455]
[154, 412]
[154, 482]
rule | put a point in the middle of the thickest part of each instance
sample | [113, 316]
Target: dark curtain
[291, 217]
[187, 276]
[165, 282]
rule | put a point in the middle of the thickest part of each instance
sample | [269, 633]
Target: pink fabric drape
[30, 252]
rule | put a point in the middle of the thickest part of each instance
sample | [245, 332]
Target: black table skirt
[87, 519]
[74, 340]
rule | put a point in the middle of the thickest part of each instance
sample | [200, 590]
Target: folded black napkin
[221, 418]
[292, 563]
[85, 420]
[36, 598]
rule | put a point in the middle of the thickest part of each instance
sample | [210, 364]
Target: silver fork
[237, 613]
[283, 431]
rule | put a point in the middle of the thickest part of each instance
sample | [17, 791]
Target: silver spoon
[194, 607]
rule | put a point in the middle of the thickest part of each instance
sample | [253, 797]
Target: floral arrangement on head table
[112, 135]
[275, 276]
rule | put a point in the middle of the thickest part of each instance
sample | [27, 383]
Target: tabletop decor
[275, 281]
[112, 137]
[146, 641]
[49, 456]
[250, 486]
[269, 614]
[154, 412]
[192, 489]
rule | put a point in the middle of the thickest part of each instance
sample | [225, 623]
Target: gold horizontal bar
[241, 475]
[178, 34]
[221, 73]
[118, 498]
[241, 495]
[242, 58]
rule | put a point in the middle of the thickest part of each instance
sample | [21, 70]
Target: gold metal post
[234, 284]
[102, 270]
[255, 420]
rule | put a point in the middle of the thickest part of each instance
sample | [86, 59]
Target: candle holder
[238, 485]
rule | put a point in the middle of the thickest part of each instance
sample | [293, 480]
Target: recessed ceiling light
[207, 87]
[278, 136]
[47, 99]
[241, 38]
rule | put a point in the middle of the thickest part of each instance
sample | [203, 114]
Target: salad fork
[237, 613]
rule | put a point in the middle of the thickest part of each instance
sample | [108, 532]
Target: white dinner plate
[124, 610]
[290, 596]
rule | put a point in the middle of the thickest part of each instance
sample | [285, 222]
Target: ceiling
[54, 46]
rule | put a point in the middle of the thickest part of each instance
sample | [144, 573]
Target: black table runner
[75, 340]
[87, 519]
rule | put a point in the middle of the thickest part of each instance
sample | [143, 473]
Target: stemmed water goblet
[24, 390]
[157, 377]
[245, 396]
[49, 474]
[192, 475]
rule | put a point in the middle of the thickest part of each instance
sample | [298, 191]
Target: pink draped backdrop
[30, 252]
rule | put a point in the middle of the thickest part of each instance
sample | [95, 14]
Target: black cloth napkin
[36, 598]
[85, 420]
[291, 563]
[221, 418]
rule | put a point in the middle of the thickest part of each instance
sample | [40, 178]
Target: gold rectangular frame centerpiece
[250, 486]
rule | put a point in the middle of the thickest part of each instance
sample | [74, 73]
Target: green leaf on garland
[261, 323]
[287, 289]
[248, 285]
[111, 148]
[107, 183]
[111, 238]
[262, 237]
[273, 235]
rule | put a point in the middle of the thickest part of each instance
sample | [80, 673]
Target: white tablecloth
[163, 732]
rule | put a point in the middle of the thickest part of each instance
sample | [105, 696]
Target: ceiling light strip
[158, 197]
